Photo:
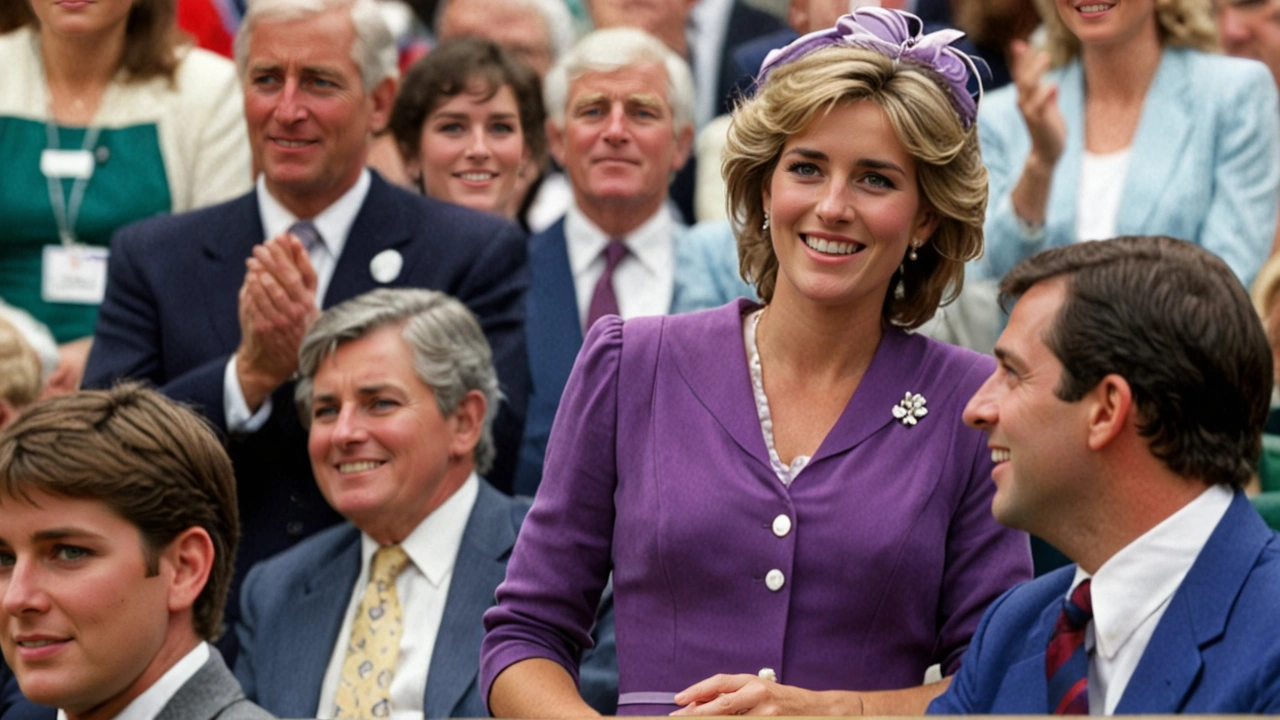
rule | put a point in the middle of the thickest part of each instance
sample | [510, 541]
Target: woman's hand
[1038, 103]
[753, 695]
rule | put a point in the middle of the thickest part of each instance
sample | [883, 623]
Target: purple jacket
[877, 562]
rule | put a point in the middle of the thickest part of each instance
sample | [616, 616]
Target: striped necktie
[1066, 663]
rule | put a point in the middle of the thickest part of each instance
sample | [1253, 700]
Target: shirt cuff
[234, 407]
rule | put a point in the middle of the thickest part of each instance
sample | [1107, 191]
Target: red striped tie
[1066, 663]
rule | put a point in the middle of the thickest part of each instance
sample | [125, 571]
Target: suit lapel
[205, 694]
[1163, 130]
[1066, 176]
[379, 226]
[881, 388]
[479, 568]
[1197, 614]
[720, 380]
[316, 620]
[554, 330]
[225, 248]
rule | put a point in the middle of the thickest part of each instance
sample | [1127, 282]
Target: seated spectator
[1130, 124]
[106, 119]
[1124, 416]
[399, 389]
[469, 124]
[621, 108]
[118, 530]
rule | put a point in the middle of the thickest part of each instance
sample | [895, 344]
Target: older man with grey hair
[536, 31]
[620, 122]
[399, 388]
[210, 306]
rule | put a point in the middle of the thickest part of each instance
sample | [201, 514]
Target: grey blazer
[212, 694]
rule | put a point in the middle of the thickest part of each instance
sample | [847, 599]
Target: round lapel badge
[386, 266]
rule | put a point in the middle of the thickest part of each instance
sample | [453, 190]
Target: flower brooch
[910, 409]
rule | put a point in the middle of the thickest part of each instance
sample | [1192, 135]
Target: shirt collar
[334, 222]
[650, 243]
[433, 545]
[1142, 577]
[149, 704]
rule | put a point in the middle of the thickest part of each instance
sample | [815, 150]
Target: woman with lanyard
[105, 119]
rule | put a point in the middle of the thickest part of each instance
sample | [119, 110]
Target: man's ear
[8, 413]
[555, 141]
[684, 146]
[383, 97]
[1109, 410]
[190, 559]
[468, 421]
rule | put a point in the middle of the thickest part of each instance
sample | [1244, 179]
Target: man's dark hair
[1173, 321]
[151, 461]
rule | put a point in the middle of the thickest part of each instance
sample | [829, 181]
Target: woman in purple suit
[784, 493]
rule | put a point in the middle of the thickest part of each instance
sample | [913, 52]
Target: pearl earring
[765, 226]
[913, 255]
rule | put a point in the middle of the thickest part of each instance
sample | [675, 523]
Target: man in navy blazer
[620, 107]
[399, 388]
[203, 307]
[1125, 415]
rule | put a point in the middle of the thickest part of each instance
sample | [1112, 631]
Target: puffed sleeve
[561, 562]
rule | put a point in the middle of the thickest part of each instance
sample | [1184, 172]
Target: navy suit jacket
[294, 604]
[13, 706]
[706, 276]
[746, 24]
[1216, 650]
[170, 317]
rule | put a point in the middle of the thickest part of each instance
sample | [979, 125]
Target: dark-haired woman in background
[469, 124]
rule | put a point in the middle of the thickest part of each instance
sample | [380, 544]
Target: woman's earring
[764, 227]
[915, 244]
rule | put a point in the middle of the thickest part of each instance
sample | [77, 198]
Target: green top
[130, 185]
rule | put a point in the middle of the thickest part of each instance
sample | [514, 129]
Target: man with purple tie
[620, 109]
[1124, 416]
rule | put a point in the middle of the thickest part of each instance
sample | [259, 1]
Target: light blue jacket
[1205, 162]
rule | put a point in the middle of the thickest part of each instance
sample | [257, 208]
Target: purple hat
[897, 35]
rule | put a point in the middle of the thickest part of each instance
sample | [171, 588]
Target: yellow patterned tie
[365, 688]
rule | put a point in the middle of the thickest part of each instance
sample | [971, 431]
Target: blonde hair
[952, 179]
[1181, 23]
[19, 367]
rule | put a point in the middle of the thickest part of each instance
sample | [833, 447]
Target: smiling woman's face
[472, 151]
[1109, 22]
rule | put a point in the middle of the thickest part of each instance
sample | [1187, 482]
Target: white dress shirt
[423, 588]
[149, 704]
[1101, 187]
[1131, 591]
[334, 224]
[645, 278]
